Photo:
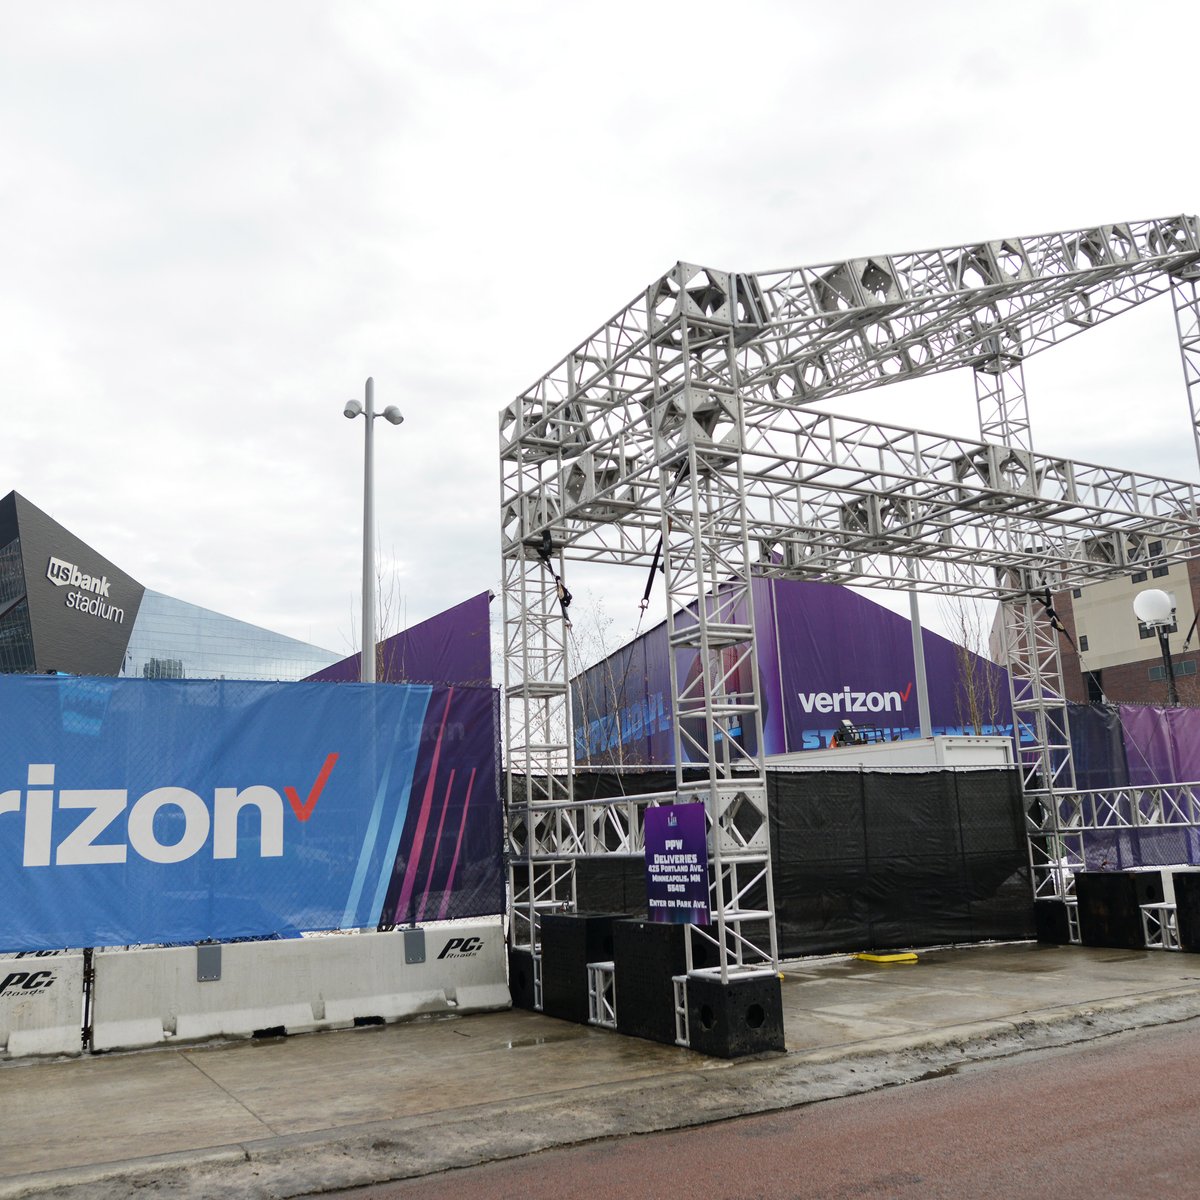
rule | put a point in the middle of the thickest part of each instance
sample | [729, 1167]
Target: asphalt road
[1119, 1117]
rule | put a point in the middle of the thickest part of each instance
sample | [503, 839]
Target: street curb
[296, 1165]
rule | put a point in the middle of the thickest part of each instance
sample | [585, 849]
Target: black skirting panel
[569, 942]
[520, 978]
[1053, 925]
[1110, 906]
[646, 957]
[1187, 909]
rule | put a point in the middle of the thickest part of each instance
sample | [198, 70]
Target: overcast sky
[216, 219]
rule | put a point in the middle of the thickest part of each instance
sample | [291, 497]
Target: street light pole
[393, 415]
[1154, 609]
[367, 666]
[918, 641]
[1172, 692]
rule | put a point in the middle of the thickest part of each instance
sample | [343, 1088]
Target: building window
[1083, 643]
[1159, 572]
[1076, 592]
[1138, 577]
[1187, 667]
[163, 668]
[1145, 631]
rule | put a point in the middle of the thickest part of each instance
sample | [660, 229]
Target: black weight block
[569, 942]
[1050, 920]
[731, 1020]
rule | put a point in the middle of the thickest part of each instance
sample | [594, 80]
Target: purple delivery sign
[677, 864]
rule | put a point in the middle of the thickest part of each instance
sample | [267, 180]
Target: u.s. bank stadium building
[64, 607]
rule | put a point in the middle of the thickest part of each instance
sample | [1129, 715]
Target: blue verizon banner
[137, 811]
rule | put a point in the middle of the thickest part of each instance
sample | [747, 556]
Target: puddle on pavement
[546, 1040]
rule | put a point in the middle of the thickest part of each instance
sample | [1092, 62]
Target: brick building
[1117, 658]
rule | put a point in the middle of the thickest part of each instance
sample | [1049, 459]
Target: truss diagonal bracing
[695, 423]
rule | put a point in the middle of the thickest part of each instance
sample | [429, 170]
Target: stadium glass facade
[172, 639]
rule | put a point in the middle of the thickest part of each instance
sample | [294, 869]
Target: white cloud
[216, 219]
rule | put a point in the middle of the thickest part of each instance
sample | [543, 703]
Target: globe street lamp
[393, 415]
[1154, 609]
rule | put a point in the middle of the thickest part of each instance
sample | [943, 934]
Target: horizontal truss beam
[841, 499]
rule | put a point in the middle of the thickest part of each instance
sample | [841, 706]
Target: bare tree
[391, 611]
[601, 697]
[594, 641]
[977, 697]
[605, 652]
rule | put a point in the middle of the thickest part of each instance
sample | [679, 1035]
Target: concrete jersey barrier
[187, 993]
[41, 1004]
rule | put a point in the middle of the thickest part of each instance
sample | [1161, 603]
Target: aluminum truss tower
[695, 422]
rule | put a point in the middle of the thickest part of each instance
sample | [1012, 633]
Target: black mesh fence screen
[1098, 746]
[886, 860]
[864, 859]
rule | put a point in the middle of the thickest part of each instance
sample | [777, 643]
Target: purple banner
[843, 657]
[1162, 745]
[677, 864]
[1142, 746]
[452, 647]
[825, 655]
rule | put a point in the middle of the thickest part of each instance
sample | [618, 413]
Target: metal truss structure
[694, 426]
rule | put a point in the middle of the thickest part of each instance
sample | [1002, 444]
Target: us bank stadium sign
[89, 594]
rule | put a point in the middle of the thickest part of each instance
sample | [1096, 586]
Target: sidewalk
[295, 1116]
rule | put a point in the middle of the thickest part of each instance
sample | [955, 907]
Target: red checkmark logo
[305, 810]
[904, 695]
